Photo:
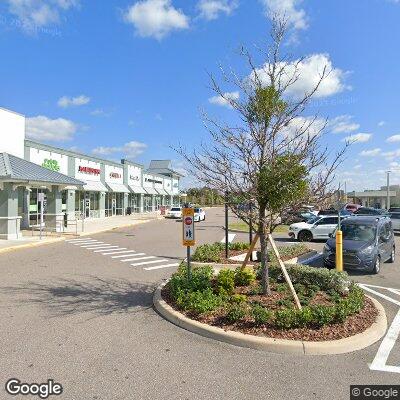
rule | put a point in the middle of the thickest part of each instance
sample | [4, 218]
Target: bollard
[339, 251]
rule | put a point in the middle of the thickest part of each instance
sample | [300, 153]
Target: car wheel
[204, 218]
[393, 255]
[377, 265]
[305, 236]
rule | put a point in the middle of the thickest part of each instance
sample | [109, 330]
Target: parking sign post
[188, 238]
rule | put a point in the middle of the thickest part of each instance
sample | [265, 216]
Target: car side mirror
[331, 235]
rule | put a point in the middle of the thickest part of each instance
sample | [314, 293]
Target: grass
[241, 226]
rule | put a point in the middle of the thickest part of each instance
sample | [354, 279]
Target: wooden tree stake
[251, 248]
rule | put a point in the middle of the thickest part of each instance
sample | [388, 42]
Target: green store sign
[51, 164]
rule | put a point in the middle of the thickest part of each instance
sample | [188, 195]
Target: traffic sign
[188, 227]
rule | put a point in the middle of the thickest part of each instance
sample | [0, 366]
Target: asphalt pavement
[79, 313]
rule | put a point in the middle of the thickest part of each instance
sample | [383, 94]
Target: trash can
[128, 211]
[65, 220]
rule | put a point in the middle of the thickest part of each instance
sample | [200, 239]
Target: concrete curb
[280, 346]
[29, 245]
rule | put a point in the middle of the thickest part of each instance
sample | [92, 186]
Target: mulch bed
[354, 324]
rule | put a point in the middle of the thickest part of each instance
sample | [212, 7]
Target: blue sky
[127, 78]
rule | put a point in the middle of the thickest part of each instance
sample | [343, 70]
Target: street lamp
[387, 189]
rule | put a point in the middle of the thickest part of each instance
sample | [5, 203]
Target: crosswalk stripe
[89, 244]
[148, 262]
[140, 258]
[103, 248]
[119, 248]
[77, 240]
[86, 242]
[127, 255]
[162, 266]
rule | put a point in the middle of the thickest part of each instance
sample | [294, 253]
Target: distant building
[376, 198]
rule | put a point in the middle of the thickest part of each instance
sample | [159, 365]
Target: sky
[125, 78]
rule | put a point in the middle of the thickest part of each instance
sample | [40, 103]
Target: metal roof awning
[118, 187]
[92, 186]
[162, 191]
[137, 189]
[169, 193]
[151, 191]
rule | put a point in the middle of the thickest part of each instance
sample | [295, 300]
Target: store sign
[133, 178]
[89, 170]
[51, 164]
[115, 175]
[153, 181]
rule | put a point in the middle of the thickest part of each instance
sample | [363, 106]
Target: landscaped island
[333, 307]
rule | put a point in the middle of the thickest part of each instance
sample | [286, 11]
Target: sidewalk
[90, 227]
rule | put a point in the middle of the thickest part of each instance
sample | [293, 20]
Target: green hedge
[212, 252]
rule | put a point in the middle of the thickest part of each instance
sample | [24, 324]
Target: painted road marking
[126, 255]
[161, 266]
[86, 242]
[140, 258]
[388, 342]
[78, 240]
[379, 363]
[118, 248]
[149, 262]
[231, 236]
[98, 246]
[108, 248]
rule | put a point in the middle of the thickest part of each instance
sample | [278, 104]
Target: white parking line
[161, 266]
[148, 262]
[368, 289]
[119, 248]
[127, 255]
[379, 363]
[231, 236]
[140, 258]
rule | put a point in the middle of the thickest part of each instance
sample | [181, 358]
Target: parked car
[367, 243]
[370, 211]
[395, 217]
[352, 207]
[332, 211]
[174, 212]
[319, 227]
[292, 217]
[199, 214]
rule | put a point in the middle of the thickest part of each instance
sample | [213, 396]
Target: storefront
[133, 173]
[117, 197]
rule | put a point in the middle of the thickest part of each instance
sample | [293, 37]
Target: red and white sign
[89, 170]
[188, 227]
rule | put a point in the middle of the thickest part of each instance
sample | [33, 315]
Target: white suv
[319, 227]
[174, 212]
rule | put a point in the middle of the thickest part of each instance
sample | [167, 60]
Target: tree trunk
[264, 261]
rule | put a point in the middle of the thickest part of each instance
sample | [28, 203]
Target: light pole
[387, 189]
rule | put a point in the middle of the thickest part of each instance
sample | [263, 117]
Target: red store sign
[89, 170]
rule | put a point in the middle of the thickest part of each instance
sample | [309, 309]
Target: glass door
[87, 205]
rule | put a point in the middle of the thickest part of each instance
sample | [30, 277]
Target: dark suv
[367, 243]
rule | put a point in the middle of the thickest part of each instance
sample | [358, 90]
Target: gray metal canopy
[15, 169]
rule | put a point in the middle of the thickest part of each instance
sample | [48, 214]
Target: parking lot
[80, 312]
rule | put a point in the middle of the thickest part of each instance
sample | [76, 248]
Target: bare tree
[273, 157]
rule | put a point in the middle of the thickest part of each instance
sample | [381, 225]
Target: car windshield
[359, 232]
[175, 209]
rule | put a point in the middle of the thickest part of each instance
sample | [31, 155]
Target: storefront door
[114, 205]
[87, 205]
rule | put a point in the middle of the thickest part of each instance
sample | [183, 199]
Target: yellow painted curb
[281, 346]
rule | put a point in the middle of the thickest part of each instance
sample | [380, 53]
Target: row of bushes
[212, 252]
[206, 293]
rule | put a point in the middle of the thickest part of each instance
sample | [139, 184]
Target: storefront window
[147, 201]
[35, 206]
[134, 202]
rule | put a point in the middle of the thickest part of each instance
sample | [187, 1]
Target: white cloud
[131, 149]
[220, 101]
[296, 17]
[211, 9]
[66, 101]
[302, 124]
[35, 14]
[342, 124]
[392, 154]
[100, 113]
[308, 74]
[381, 123]
[43, 128]
[393, 139]
[155, 18]
[371, 153]
[358, 166]
[358, 138]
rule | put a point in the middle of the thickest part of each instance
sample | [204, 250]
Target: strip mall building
[74, 184]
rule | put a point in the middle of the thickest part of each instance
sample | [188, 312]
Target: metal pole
[41, 218]
[251, 222]
[83, 215]
[339, 241]
[387, 190]
[226, 228]
[189, 270]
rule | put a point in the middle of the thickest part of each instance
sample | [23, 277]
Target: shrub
[238, 298]
[199, 302]
[244, 276]
[207, 253]
[235, 312]
[287, 252]
[201, 280]
[323, 315]
[260, 314]
[285, 319]
[238, 246]
[226, 281]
